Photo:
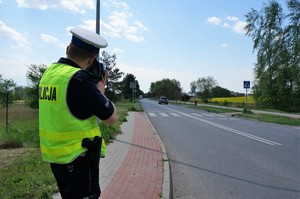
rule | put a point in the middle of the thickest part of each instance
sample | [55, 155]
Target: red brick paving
[141, 173]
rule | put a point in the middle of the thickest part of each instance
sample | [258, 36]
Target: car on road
[163, 100]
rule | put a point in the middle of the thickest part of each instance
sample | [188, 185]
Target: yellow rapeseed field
[234, 99]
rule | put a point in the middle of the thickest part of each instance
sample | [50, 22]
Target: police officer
[70, 102]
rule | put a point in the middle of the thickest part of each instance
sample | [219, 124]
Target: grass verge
[277, 119]
[109, 132]
[22, 126]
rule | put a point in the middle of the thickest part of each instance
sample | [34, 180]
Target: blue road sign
[246, 84]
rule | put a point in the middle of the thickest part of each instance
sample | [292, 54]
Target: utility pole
[6, 115]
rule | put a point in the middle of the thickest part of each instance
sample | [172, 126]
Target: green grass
[277, 119]
[109, 132]
[22, 126]
[26, 175]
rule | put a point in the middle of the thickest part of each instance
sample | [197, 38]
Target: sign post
[246, 86]
[133, 88]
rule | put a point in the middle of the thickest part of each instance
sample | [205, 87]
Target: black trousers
[77, 180]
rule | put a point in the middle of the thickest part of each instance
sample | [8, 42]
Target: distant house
[187, 96]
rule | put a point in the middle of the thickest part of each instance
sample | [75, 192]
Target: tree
[19, 93]
[204, 86]
[34, 75]
[166, 87]
[220, 92]
[114, 85]
[126, 90]
[277, 41]
[6, 86]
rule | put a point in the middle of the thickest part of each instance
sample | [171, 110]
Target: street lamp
[98, 17]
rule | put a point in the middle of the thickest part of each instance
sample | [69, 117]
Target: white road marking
[164, 115]
[197, 115]
[152, 114]
[175, 114]
[253, 137]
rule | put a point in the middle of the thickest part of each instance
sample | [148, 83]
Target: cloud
[75, 6]
[49, 38]
[88, 25]
[10, 33]
[214, 20]
[134, 38]
[231, 22]
[121, 23]
[12, 69]
[232, 18]
[120, 5]
[226, 25]
[224, 45]
[239, 27]
[117, 50]
[78, 6]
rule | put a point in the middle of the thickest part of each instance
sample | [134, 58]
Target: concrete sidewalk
[136, 165]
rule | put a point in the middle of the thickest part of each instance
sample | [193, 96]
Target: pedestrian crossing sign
[246, 84]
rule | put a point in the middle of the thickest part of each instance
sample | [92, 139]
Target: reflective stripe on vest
[60, 132]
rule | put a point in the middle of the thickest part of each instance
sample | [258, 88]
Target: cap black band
[84, 45]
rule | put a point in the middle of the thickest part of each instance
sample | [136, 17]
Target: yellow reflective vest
[60, 132]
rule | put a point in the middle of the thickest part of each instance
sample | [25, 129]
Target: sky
[152, 39]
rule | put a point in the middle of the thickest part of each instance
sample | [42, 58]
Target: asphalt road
[216, 156]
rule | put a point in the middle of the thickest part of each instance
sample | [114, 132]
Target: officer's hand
[101, 86]
[104, 76]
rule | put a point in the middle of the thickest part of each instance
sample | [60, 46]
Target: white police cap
[88, 40]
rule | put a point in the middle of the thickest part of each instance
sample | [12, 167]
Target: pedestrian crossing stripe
[164, 114]
[197, 115]
[200, 115]
[152, 114]
[175, 114]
